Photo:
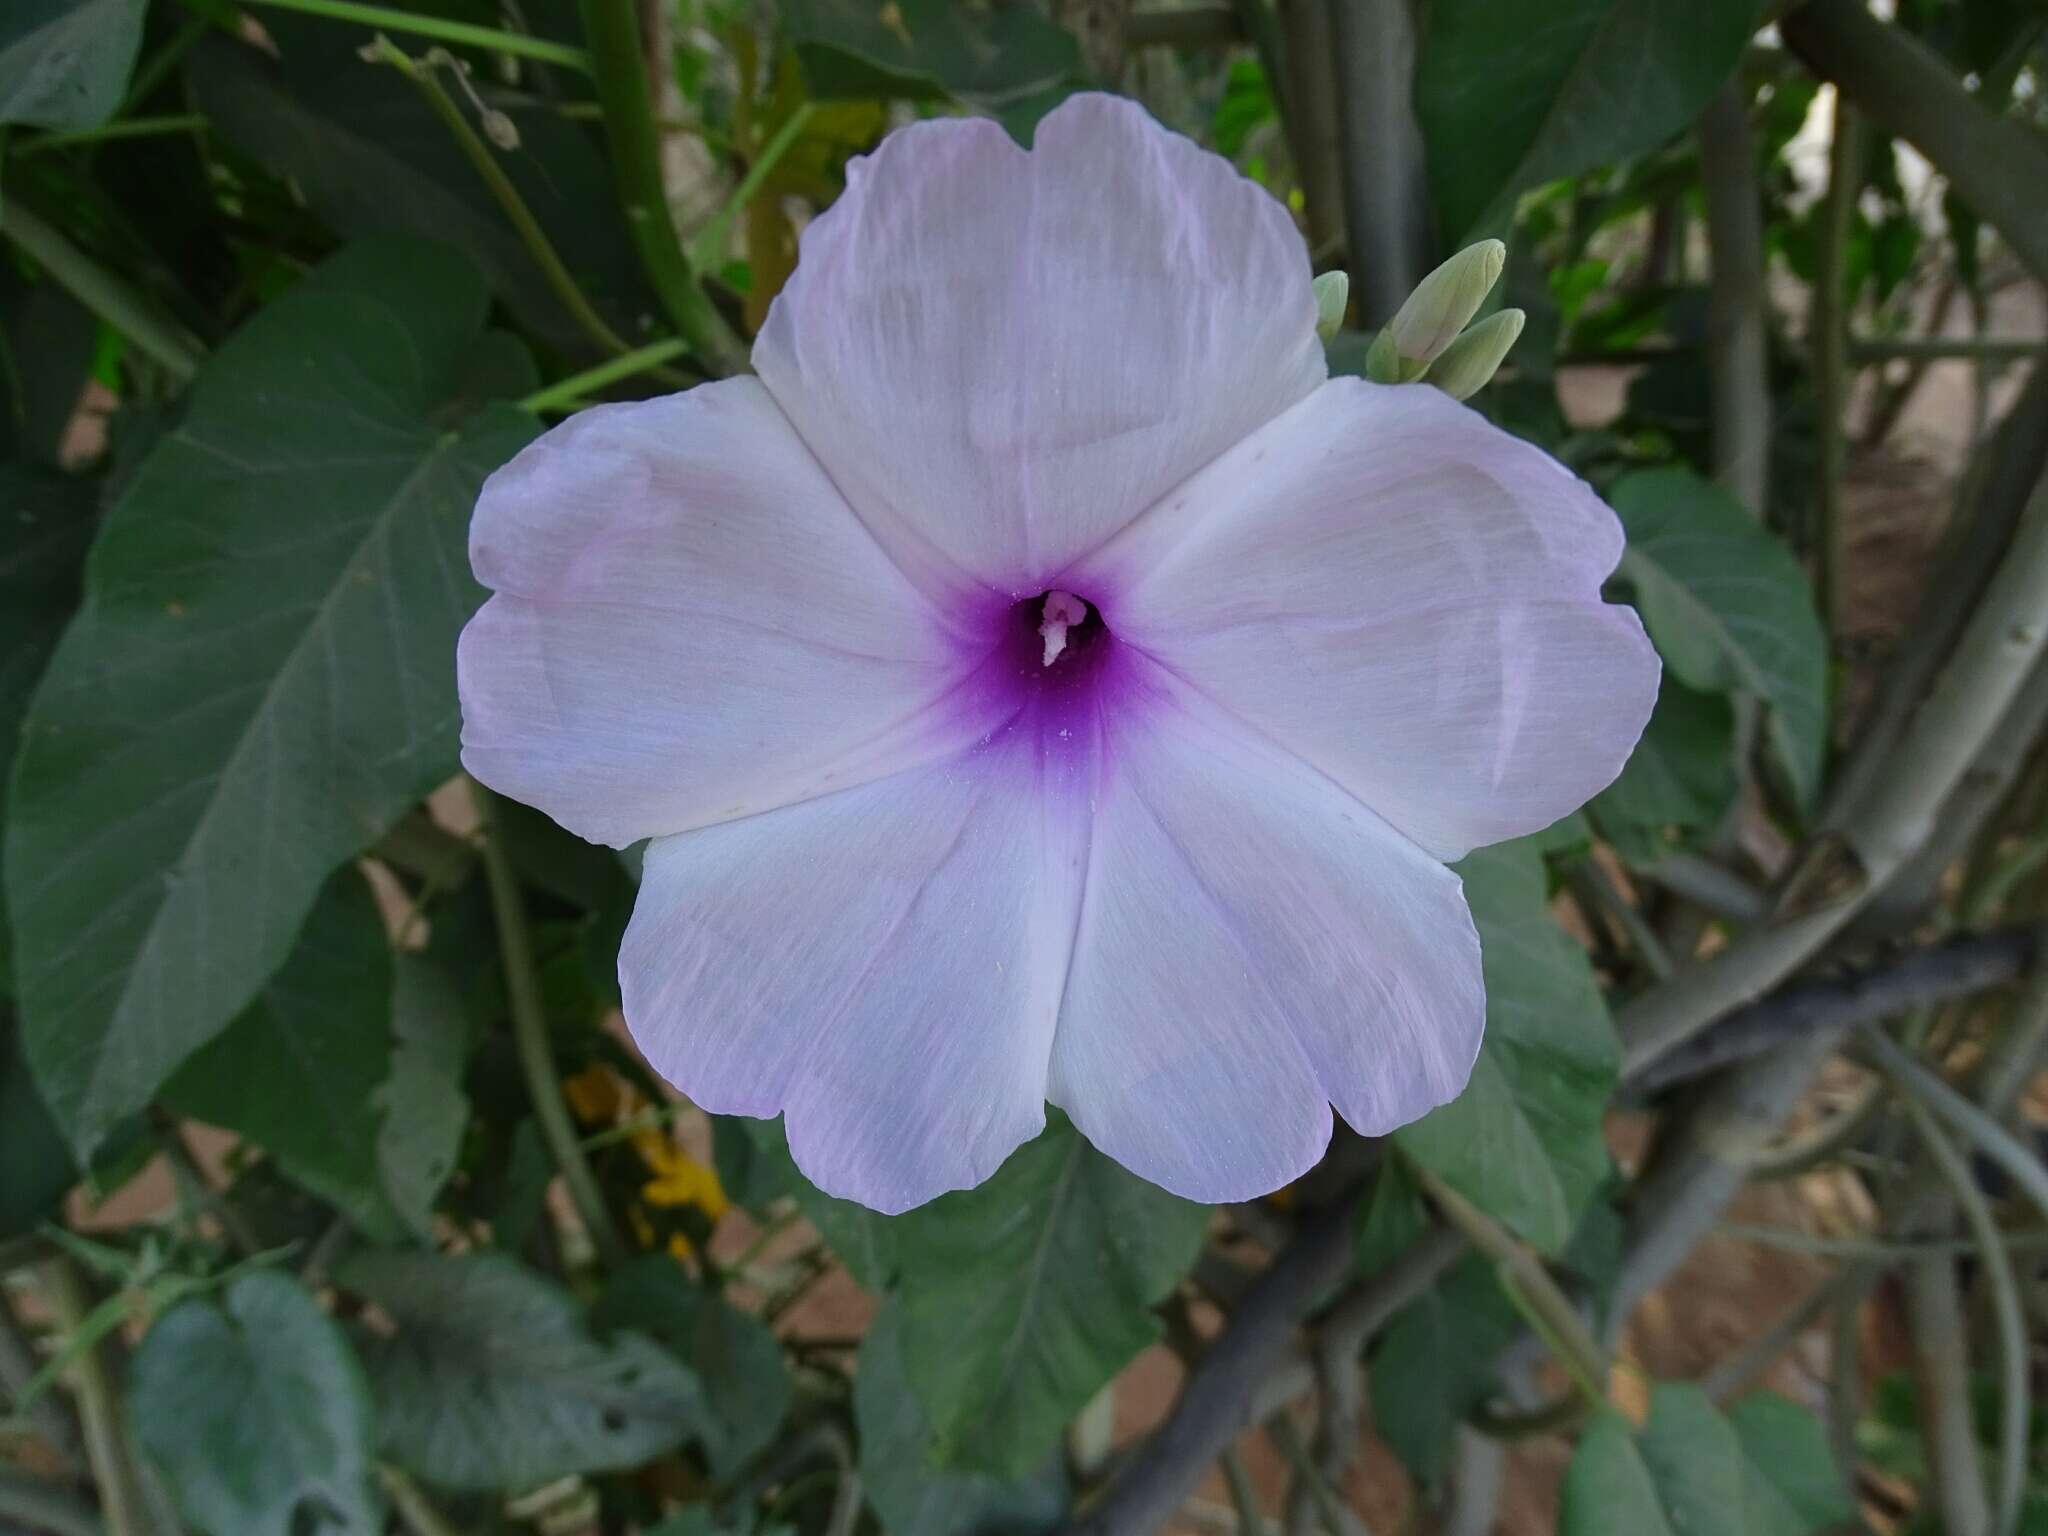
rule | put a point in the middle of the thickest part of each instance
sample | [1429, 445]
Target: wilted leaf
[493, 1381]
[259, 681]
[1022, 1297]
[256, 1410]
[1523, 1141]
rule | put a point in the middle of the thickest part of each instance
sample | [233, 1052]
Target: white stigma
[1063, 610]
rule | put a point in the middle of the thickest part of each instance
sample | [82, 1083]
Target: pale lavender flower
[1043, 683]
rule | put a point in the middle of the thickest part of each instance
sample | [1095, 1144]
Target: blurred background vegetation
[332, 1198]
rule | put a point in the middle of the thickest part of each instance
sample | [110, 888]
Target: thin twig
[1941, 1355]
[1996, 165]
[461, 33]
[620, 69]
[162, 339]
[530, 1035]
[50, 1415]
[1827, 329]
[107, 1449]
[2015, 1393]
[2004, 639]
[1917, 978]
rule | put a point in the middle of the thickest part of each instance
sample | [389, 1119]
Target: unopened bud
[1333, 292]
[1444, 302]
[1469, 362]
[1383, 365]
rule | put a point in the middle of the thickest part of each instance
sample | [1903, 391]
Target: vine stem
[1736, 349]
[99, 1408]
[505, 194]
[530, 1036]
[2006, 636]
[710, 240]
[1828, 334]
[1386, 200]
[462, 33]
[613, 30]
[167, 343]
[127, 128]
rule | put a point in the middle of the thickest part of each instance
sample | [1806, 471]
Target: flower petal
[1253, 945]
[689, 624]
[883, 964]
[1003, 357]
[1406, 597]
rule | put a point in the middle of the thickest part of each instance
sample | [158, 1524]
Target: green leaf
[1009, 61]
[299, 1071]
[1506, 104]
[864, 1240]
[1680, 779]
[65, 63]
[492, 1381]
[259, 683]
[48, 522]
[32, 1149]
[913, 1496]
[1022, 1297]
[1523, 1142]
[256, 1410]
[1436, 1362]
[747, 1388]
[1764, 1470]
[1729, 608]
[421, 1107]
[370, 158]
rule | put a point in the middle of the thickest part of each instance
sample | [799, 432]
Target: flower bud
[1469, 362]
[1444, 303]
[1333, 292]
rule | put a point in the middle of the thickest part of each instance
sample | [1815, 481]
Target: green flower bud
[1467, 363]
[1383, 365]
[1444, 302]
[1333, 292]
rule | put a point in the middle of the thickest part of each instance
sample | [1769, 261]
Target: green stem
[507, 197]
[126, 309]
[462, 33]
[710, 242]
[2015, 1391]
[1244, 1495]
[568, 394]
[1828, 334]
[1528, 1284]
[152, 74]
[613, 28]
[99, 1407]
[530, 1036]
[127, 128]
